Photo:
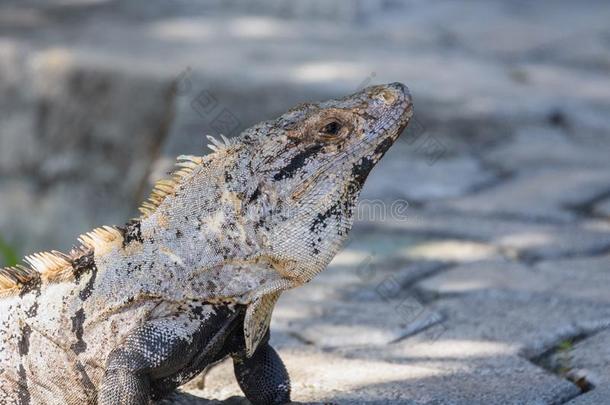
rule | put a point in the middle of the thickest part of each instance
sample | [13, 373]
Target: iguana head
[312, 163]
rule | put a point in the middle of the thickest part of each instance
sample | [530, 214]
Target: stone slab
[530, 241]
[536, 195]
[422, 169]
[352, 323]
[530, 323]
[384, 245]
[328, 377]
[603, 208]
[576, 278]
[535, 147]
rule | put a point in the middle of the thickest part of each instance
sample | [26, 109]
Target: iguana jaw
[317, 178]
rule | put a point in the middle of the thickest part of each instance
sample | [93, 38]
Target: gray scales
[136, 311]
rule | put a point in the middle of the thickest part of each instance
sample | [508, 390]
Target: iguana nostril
[387, 96]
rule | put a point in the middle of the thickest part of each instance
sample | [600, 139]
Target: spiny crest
[219, 146]
[47, 262]
[13, 278]
[54, 265]
[98, 239]
[162, 188]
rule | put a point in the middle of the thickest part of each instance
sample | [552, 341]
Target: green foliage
[565, 345]
[8, 254]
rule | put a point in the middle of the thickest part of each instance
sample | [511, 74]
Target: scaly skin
[138, 310]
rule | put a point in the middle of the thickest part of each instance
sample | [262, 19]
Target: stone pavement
[479, 270]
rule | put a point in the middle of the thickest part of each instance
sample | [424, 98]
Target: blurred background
[498, 273]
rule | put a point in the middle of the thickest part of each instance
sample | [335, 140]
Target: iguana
[135, 311]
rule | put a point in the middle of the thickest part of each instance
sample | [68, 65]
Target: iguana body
[136, 311]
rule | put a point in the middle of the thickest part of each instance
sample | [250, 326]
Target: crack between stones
[301, 339]
[408, 282]
[562, 368]
[530, 259]
[501, 175]
[587, 208]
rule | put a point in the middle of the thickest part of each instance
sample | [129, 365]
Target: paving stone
[539, 30]
[531, 318]
[528, 240]
[603, 208]
[581, 278]
[405, 174]
[331, 378]
[587, 238]
[359, 281]
[585, 270]
[543, 147]
[599, 396]
[588, 124]
[384, 246]
[543, 194]
[373, 271]
[530, 323]
[340, 324]
[478, 327]
[405, 275]
[363, 284]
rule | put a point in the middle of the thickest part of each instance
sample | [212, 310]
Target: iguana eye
[331, 129]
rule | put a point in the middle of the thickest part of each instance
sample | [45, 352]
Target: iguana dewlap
[136, 311]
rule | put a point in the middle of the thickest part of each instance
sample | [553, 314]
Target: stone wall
[76, 145]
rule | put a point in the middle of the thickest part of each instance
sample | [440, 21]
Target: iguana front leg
[263, 377]
[147, 364]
